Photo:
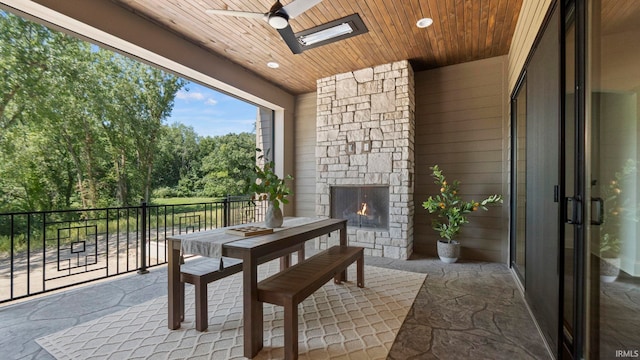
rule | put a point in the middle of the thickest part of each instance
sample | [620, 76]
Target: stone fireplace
[364, 207]
[364, 145]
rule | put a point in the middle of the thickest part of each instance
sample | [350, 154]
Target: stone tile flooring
[467, 310]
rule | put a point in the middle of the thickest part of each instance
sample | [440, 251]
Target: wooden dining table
[253, 251]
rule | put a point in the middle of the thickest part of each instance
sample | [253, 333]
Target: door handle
[572, 211]
[597, 205]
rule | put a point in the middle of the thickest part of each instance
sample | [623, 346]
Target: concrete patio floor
[466, 310]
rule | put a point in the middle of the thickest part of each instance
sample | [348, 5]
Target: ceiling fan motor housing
[279, 20]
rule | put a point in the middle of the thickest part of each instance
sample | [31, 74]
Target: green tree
[177, 157]
[24, 62]
[37, 67]
[156, 96]
[77, 123]
[227, 166]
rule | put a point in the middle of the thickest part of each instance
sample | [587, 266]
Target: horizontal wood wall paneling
[474, 92]
[464, 119]
[529, 22]
[473, 167]
[453, 75]
[305, 163]
[470, 180]
[459, 125]
[471, 190]
[478, 253]
[462, 147]
[460, 158]
[448, 136]
[471, 102]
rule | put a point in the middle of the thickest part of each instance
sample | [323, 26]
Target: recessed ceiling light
[273, 64]
[424, 22]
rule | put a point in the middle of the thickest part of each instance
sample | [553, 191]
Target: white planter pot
[448, 252]
[609, 269]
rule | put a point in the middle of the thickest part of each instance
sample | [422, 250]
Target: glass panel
[520, 107]
[569, 158]
[365, 206]
[614, 272]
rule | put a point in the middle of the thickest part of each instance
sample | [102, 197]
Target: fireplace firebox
[361, 206]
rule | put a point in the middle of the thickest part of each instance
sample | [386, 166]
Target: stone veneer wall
[373, 106]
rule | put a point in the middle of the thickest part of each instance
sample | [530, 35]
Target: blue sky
[211, 113]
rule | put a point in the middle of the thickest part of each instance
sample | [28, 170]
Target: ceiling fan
[278, 17]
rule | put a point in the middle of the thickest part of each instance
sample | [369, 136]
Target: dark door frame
[580, 211]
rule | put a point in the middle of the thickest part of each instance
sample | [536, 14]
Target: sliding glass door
[612, 155]
[519, 172]
[575, 241]
[536, 200]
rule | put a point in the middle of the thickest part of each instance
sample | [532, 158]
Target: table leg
[285, 261]
[253, 309]
[174, 291]
[343, 242]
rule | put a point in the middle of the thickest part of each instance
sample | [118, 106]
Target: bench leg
[181, 305]
[360, 269]
[290, 330]
[202, 313]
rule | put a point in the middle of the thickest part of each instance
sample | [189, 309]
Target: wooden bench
[290, 287]
[200, 272]
[204, 270]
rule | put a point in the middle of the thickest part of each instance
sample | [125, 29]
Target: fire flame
[363, 211]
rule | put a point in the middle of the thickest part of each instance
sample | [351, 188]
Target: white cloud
[211, 101]
[188, 95]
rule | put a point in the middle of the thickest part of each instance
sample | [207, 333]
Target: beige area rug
[336, 322]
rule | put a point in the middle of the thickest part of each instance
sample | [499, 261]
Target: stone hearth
[365, 136]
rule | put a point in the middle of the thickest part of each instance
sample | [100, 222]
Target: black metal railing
[50, 250]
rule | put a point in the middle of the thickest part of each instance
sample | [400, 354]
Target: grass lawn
[183, 200]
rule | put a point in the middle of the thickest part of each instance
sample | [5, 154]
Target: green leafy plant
[267, 185]
[620, 210]
[449, 208]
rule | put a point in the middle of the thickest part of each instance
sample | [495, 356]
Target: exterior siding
[264, 133]
[530, 20]
[305, 155]
[460, 125]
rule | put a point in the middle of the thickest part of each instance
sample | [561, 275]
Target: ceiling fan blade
[297, 7]
[245, 14]
[290, 38]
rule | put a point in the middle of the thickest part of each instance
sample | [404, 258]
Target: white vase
[449, 252]
[274, 217]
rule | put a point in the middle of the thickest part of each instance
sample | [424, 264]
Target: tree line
[83, 127]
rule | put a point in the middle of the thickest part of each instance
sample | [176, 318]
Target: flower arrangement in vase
[268, 186]
[451, 213]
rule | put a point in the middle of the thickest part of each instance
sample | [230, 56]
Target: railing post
[143, 245]
[225, 211]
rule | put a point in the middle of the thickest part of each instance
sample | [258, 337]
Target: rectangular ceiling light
[335, 30]
[326, 34]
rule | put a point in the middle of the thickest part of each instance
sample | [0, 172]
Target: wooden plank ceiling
[463, 30]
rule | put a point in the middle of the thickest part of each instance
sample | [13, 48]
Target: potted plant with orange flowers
[268, 186]
[451, 214]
